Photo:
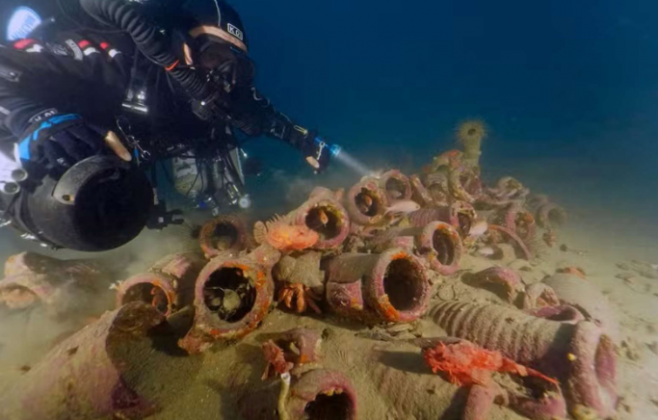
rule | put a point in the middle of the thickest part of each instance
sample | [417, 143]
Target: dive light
[334, 149]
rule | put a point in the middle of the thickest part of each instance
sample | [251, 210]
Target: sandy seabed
[388, 373]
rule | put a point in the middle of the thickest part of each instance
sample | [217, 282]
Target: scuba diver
[94, 100]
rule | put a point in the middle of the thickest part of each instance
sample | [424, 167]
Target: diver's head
[215, 41]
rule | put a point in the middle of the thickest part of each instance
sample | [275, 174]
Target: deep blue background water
[569, 89]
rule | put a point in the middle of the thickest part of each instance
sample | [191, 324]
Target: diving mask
[224, 61]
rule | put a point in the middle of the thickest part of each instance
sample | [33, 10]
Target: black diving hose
[149, 40]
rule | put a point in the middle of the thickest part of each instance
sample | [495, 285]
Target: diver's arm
[255, 115]
[49, 98]
[15, 109]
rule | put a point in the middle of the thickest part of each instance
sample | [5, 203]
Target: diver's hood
[99, 204]
[217, 13]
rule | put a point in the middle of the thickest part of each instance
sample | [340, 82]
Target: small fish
[366, 200]
[479, 228]
[115, 285]
[25, 368]
[323, 218]
[403, 206]
[487, 251]
[320, 221]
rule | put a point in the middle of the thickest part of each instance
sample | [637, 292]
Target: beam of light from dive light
[339, 155]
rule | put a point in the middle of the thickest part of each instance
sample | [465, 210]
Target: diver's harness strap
[140, 153]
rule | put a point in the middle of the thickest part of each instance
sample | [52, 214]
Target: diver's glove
[315, 150]
[56, 142]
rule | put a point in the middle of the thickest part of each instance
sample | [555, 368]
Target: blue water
[569, 89]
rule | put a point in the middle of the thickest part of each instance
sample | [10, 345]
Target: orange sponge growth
[464, 363]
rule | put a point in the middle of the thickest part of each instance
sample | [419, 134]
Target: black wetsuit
[89, 74]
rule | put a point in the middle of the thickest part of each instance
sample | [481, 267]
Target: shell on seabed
[580, 412]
